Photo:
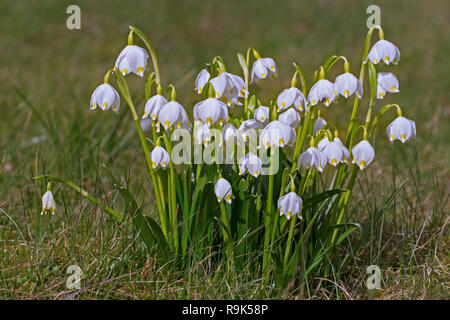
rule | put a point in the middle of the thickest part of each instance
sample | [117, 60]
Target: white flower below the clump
[223, 190]
[203, 135]
[250, 163]
[401, 129]
[318, 124]
[335, 151]
[291, 97]
[211, 111]
[160, 158]
[229, 132]
[261, 114]
[384, 51]
[313, 158]
[132, 59]
[249, 128]
[362, 154]
[386, 81]
[202, 79]
[229, 87]
[263, 68]
[347, 84]
[277, 134]
[153, 105]
[290, 205]
[105, 97]
[48, 203]
[172, 114]
[291, 117]
[322, 91]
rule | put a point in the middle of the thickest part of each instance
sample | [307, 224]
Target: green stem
[150, 49]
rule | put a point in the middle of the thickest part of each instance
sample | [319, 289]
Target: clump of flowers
[250, 168]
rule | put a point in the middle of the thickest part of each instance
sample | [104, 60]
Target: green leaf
[308, 203]
[243, 64]
[372, 80]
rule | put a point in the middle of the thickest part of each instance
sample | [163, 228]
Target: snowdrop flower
[311, 158]
[132, 59]
[322, 91]
[172, 114]
[290, 117]
[290, 205]
[211, 111]
[363, 154]
[277, 134]
[347, 84]
[334, 150]
[250, 163]
[202, 78]
[291, 97]
[402, 129]
[153, 105]
[48, 203]
[249, 127]
[318, 124]
[386, 81]
[384, 51]
[263, 68]
[203, 135]
[105, 97]
[229, 87]
[160, 158]
[223, 190]
[228, 132]
[262, 114]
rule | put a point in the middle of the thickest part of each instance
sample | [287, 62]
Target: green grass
[46, 79]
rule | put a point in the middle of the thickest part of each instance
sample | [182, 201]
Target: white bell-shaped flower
[291, 117]
[312, 158]
[334, 150]
[401, 129]
[277, 134]
[290, 205]
[105, 97]
[153, 105]
[318, 124]
[229, 132]
[203, 135]
[347, 84]
[262, 114]
[384, 51]
[363, 154]
[223, 190]
[160, 158]
[291, 97]
[248, 128]
[322, 91]
[172, 114]
[202, 78]
[48, 203]
[386, 81]
[229, 87]
[132, 59]
[250, 163]
[211, 111]
[263, 68]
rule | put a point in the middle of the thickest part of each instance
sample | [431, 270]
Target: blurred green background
[48, 73]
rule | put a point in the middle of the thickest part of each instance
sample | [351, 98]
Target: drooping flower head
[153, 105]
[386, 81]
[347, 84]
[229, 132]
[401, 129]
[335, 151]
[250, 163]
[160, 158]
[290, 205]
[277, 134]
[203, 135]
[132, 59]
[263, 68]
[48, 203]
[105, 97]
[223, 190]
[201, 80]
[312, 158]
[291, 117]
[249, 128]
[384, 51]
[229, 87]
[322, 91]
[261, 114]
[211, 111]
[318, 124]
[363, 154]
[291, 97]
[172, 114]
